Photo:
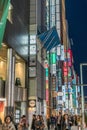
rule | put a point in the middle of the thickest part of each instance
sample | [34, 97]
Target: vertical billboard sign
[62, 53]
[32, 39]
[59, 77]
[65, 68]
[53, 63]
[32, 45]
[58, 50]
[74, 93]
[69, 56]
[53, 83]
[54, 103]
[53, 58]
[47, 95]
[47, 84]
[32, 49]
[52, 13]
[64, 92]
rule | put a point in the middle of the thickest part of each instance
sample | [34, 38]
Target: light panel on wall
[32, 49]
[32, 39]
[32, 71]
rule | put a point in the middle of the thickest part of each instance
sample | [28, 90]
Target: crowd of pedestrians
[10, 125]
[65, 122]
[58, 122]
[37, 123]
[54, 122]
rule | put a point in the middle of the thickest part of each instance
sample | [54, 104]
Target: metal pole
[13, 82]
[82, 94]
[9, 81]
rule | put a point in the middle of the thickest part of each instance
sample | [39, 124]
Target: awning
[49, 39]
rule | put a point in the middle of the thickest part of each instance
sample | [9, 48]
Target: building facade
[24, 56]
[32, 79]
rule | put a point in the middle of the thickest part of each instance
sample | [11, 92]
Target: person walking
[23, 123]
[59, 121]
[37, 123]
[8, 123]
[74, 123]
[20, 125]
[33, 122]
[53, 121]
[42, 124]
[66, 122]
[48, 123]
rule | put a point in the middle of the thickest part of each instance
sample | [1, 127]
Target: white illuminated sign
[32, 49]
[32, 39]
[32, 103]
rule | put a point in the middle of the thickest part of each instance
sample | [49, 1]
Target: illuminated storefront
[17, 93]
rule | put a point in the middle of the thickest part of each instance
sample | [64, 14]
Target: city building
[35, 76]
[22, 58]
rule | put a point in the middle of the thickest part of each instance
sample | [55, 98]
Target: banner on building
[2, 108]
[49, 39]
[4, 6]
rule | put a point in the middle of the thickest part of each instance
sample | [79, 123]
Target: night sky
[76, 14]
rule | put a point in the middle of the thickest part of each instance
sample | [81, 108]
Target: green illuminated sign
[53, 58]
[46, 72]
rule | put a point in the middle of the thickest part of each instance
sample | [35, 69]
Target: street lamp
[82, 90]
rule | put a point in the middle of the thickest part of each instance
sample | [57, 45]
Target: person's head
[24, 119]
[66, 116]
[60, 113]
[23, 116]
[38, 117]
[8, 119]
[34, 116]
